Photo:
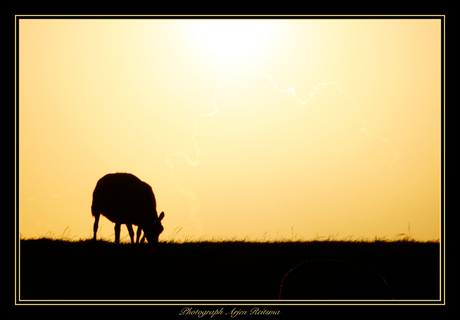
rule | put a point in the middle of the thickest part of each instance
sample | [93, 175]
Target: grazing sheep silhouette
[332, 280]
[125, 199]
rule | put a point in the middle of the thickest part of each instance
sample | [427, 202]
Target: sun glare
[231, 41]
[242, 127]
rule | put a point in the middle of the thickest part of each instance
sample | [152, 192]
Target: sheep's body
[124, 199]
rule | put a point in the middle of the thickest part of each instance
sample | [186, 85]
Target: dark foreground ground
[87, 270]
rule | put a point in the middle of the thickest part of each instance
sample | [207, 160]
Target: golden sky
[244, 128]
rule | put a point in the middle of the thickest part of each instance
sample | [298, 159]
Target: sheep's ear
[162, 215]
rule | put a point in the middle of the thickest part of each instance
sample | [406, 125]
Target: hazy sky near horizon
[244, 128]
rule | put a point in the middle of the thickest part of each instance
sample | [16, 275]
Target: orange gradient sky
[244, 128]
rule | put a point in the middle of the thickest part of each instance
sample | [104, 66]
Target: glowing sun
[232, 41]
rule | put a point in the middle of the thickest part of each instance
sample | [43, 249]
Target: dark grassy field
[233, 270]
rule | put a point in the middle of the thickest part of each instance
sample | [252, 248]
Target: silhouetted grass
[220, 269]
[401, 237]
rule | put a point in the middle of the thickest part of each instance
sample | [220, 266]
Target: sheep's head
[153, 228]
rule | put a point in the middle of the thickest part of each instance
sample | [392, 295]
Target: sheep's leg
[131, 232]
[138, 234]
[117, 233]
[96, 225]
